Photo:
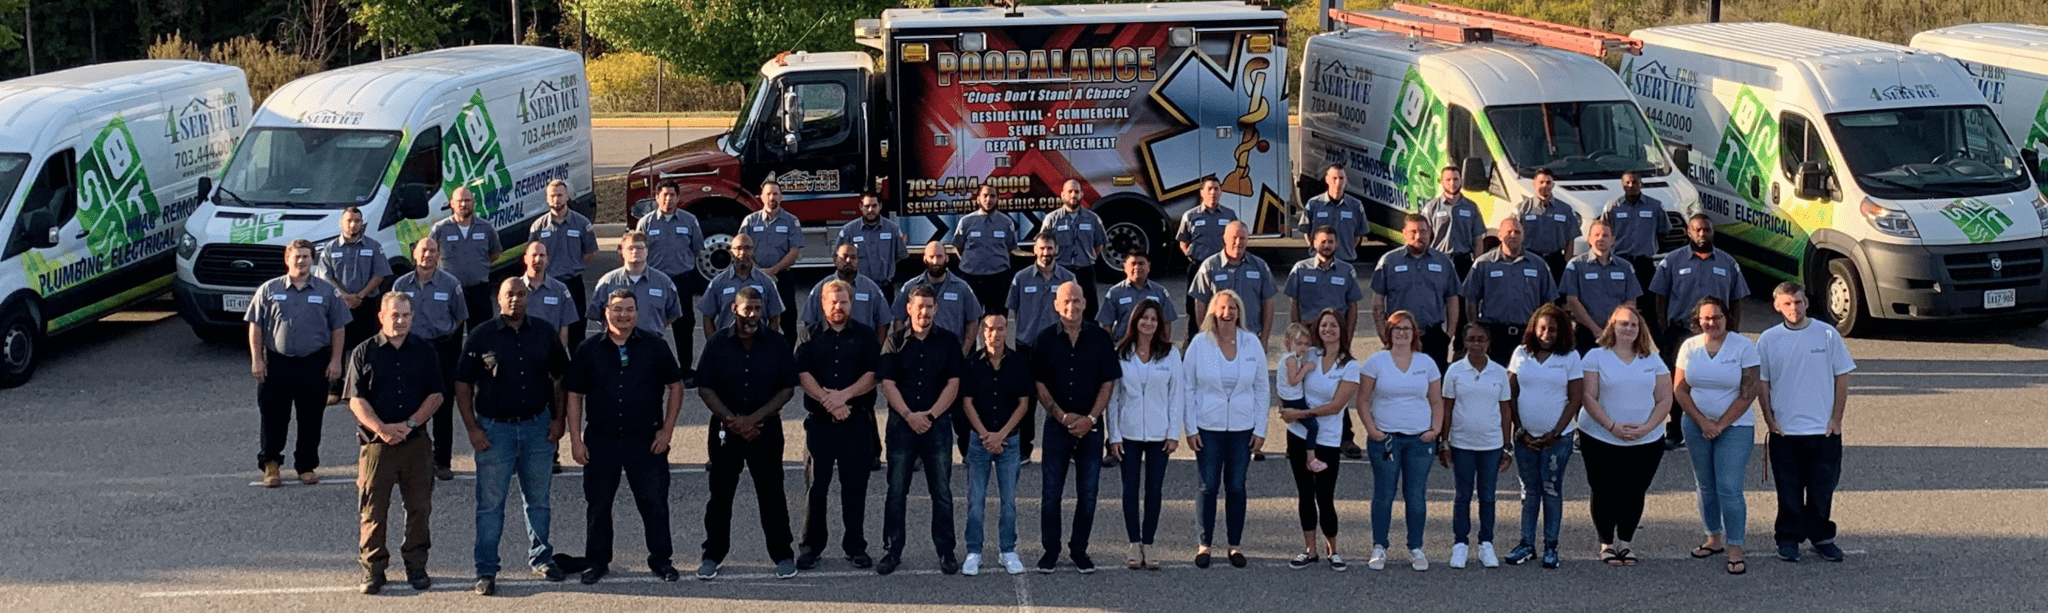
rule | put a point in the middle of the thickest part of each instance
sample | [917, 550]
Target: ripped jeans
[1543, 488]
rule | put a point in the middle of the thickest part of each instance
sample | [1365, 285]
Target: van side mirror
[206, 188]
[1813, 181]
[41, 228]
[1681, 156]
[1477, 174]
[410, 200]
[2032, 159]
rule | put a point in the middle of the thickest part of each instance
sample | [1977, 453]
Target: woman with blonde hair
[1627, 395]
[1226, 411]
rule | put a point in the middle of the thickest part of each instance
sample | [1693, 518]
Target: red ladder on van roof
[1458, 24]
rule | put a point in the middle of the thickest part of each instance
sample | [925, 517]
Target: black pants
[646, 473]
[1144, 465]
[1085, 455]
[845, 447]
[362, 325]
[934, 449]
[1462, 262]
[581, 295]
[1193, 318]
[1619, 478]
[1556, 262]
[292, 386]
[1436, 344]
[1585, 340]
[1807, 468]
[762, 456]
[1084, 276]
[785, 286]
[684, 328]
[1506, 337]
[482, 301]
[1646, 269]
[992, 290]
[1674, 334]
[448, 348]
[1315, 492]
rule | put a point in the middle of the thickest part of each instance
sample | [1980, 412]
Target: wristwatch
[409, 423]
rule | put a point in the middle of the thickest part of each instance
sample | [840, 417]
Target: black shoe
[1237, 559]
[887, 565]
[1788, 552]
[1108, 462]
[1202, 560]
[419, 580]
[807, 560]
[1258, 456]
[1673, 444]
[594, 573]
[861, 560]
[1352, 451]
[549, 572]
[876, 467]
[373, 584]
[1047, 562]
[948, 565]
[1083, 563]
[486, 585]
[556, 470]
[667, 572]
[1828, 551]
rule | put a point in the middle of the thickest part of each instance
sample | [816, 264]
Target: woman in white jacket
[1229, 397]
[1145, 422]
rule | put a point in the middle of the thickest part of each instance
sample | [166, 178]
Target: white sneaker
[1378, 561]
[1012, 564]
[1458, 554]
[1486, 557]
[1418, 561]
[972, 566]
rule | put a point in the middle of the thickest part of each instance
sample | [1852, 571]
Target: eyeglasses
[1401, 329]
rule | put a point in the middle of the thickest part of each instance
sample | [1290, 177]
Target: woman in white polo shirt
[1144, 423]
[1627, 397]
[1327, 389]
[1230, 393]
[1401, 405]
[1478, 404]
[1547, 380]
[1716, 384]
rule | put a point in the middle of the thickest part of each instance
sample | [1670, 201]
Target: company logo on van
[1412, 152]
[118, 210]
[1658, 82]
[476, 159]
[1990, 80]
[1343, 90]
[1923, 91]
[1979, 221]
[548, 98]
[257, 228]
[332, 118]
[203, 116]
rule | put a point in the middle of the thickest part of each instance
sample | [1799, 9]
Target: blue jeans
[979, 463]
[1400, 462]
[1144, 469]
[933, 449]
[1057, 451]
[1718, 466]
[1543, 488]
[519, 449]
[1472, 470]
[1223, 460]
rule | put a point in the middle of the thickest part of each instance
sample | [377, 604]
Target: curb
[661, 122]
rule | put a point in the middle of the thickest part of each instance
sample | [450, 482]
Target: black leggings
[1316, 492]
[1619, 478]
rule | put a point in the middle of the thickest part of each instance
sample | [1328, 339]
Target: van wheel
[21, 338]
[1842, 298]
[718, 233]
[1128, 227]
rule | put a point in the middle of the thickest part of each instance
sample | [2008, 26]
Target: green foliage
[626, 82]
[726, 41]
[266, 66]
[406, 25]
[9, 37]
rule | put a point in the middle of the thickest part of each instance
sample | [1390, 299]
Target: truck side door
[816, 145]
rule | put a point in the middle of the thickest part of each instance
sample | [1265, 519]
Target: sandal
[1627, 557]
[1737, 567]
[1134, 560]
[1610, 557]
[1704, 551]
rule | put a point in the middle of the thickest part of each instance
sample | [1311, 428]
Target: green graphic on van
[2037, 136]
[1979, 221]
[474, 158]
[257, 229]
[117, 205]
[1411, 153]
[1748, 146]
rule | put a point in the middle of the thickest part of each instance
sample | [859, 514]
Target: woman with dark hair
[1478, 411]
[1229, 390]
[1627, 396]
[1327, 390]
[1546, 378]
[1715, 383]
[1145, 413]
[1401, 404]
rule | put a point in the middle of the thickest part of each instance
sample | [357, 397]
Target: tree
[405, 25]
[726, 40]
[9, 38]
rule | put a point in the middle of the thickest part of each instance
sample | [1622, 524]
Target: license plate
[2001, 298]
[234, 303]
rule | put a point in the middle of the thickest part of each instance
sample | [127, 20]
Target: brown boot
[271, 475]
[309, 478]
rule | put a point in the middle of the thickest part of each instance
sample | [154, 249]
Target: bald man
[469, 246]
[1506, 287]
[1235, 268]
[1075, 366]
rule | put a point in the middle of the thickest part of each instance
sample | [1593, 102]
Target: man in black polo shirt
[920, 378]
[745, 377]
[616, 382]
[1076, 367]
[509, 374]
[393, 388]
[836, 368]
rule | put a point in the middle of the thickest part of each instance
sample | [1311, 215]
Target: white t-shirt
[1475, 418]
[1801, 366]
[1400, 399]
[1628, 392]
[1317, 389]
[1292, 392]
[1716, 380]
[1546, 389]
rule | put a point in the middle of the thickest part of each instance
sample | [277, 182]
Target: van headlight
[2041, 211]
[188, 245]
[1889, 220]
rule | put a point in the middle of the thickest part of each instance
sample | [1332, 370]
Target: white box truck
[99, 168]
[392, 138]
[1417, 88]
[2009, 62]
[1873, 173]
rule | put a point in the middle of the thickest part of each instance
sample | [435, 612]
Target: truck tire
[21, 344]
[1841, 298]
[1128, 226]
[718, 233]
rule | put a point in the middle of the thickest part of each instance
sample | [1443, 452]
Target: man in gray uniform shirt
[957, 311]
[881, 243]
[571, 247]
[1344, 214]
[1081, 238]
[983, 238]
[1031, 307]
[1421, 281]
[778, 244]
[1137, 286]
[716, 306]
[674, 242]
[469, 245]
[866, 305]
[295, 348]
[1201, 236]
[1685, 276]
[658, 301]
[1506, 287]
[438, 313]
[1639, 223]
[1459, 228]
[1550, 227]
[1238, 270]
[356, 265]
[1595, 282]
[1324, 281]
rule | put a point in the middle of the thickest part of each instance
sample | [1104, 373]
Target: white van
[392, 138]
[1873, 173]
[2010, 64]
[1393, 109]
[99, 168]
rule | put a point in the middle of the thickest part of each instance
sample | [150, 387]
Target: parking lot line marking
[465, 586]
[1023, 593]
[472, 476]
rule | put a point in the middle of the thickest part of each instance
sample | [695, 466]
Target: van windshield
[308, 168]
[1927, 152]
[1579, 141]
[12, 167]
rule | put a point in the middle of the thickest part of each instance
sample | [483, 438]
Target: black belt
[514, 420]
[1513, 329]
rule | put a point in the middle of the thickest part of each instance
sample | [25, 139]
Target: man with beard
[1550, 226]
[469, 245]
[1459, 228]
[572, 245]
[1324, 281]
[1421, 281]
[624, 392]
[1080, 236]
[716, 305]
[836, 368]
[868, 307]
[778, 244]
[1505, 288]
[1639, 224]
[881, 244]
[355, 265]
[1031, 312]
[1683, 278]
[984, 238]
[1201, 236]
[920, 378]
[674, 242]
[745, 377]
[958, 311]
